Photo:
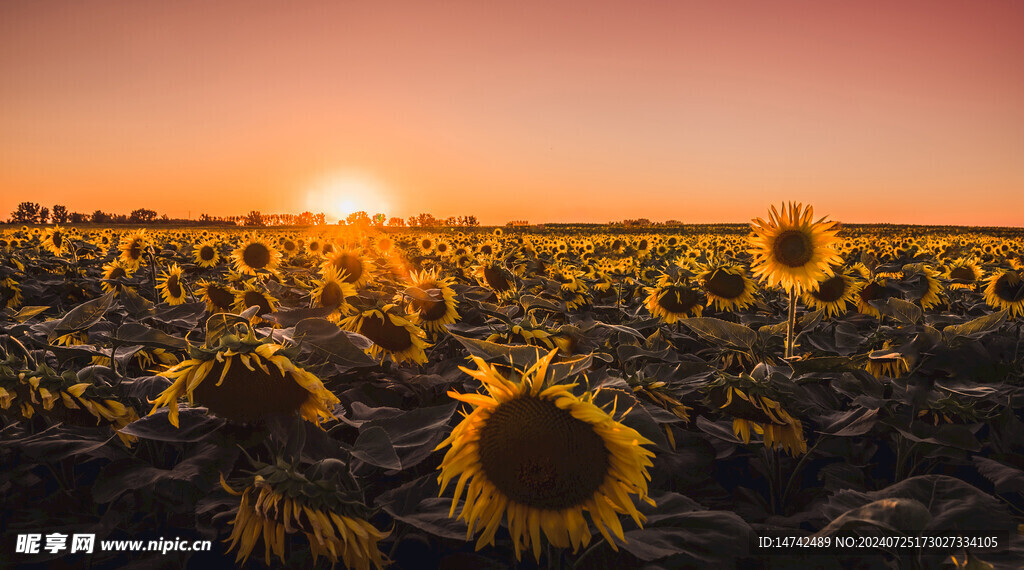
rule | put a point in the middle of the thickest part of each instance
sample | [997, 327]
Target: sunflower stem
[791, 323]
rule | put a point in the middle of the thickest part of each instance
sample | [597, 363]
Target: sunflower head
[245, 379]
[254, 255]
[170, 286]
[539, 455]
[219, 298]
[332, 290]
[133, 247]
[394, 336]
[322, 502]
[754, 408]
[253, 295]
[673, 299]
[206, 254]
[1005, 290]
[791, 249]
[727, 287]
[833, 293]
[432, 301]
[355, 268]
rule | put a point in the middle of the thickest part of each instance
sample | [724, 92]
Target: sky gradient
[588, 111]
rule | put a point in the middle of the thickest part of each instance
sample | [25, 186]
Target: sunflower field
[557, 397]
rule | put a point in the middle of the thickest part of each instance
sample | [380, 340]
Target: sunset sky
[587, 111]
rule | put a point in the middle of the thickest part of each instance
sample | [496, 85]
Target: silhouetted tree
[396, 222]
[44, 214]
[254, 218]
[27, 213]
[379, 219]
[79, 218]
[101, 217]
[305, 219]
[320, 219]
[360, 218]
[142, 216]
[59, 215]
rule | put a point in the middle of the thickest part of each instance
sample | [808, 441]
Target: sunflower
[278, 499]
[205, 254]
[875, 289]
[10, 293]
[55, 240]
[791, 249]
[233, 380]
[170, 286]
[963, 273]
[393, 336]
[432, 312]
[253, 296]
[356, 270]
[219, 298]
[833, 293]
[887, 363]
[1005, 290]
[673, 299]
[132, 247]
[332, 291]
[728, 287]
[930, 289]
[494, 276]
[256, 254]
[533, 451]
[753, 409]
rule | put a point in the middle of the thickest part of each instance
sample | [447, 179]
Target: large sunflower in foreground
[432, 312]
[245, 380]
[322, 503]
[393, 335]
[536, 454]
[1005, 290]
[728, 287]
[791, 249]
[256, 254]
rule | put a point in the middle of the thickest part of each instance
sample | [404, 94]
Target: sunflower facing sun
[538, 455]
[256, 254]
[791, 249]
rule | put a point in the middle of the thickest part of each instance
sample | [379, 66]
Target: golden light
[340, 193]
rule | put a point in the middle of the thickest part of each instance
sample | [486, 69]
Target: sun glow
[340, 193]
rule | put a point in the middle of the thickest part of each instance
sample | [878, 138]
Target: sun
[339, 193]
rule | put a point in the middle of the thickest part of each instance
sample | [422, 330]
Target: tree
[142, 216]
[44, 214]
[379, 219]
[100, 217]
[320, 219]
[451, 221]
[59, 215]
[305, 219]
[27, 213]
[360, 219]
[427, 221]
[79, 218]
[396, 222]
[469, 221]
[254, 218]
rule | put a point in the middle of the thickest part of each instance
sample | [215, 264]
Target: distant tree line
[33, 213]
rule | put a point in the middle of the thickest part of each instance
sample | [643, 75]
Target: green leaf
[221, 324]
[83, 316]
[374, 446]
[903, 311]
[323, 338]
[27, 313]
[892, 515]
[975, 328]
[704, 538]
[136, 305]
[722, 332]
[135, 333]
[194, 424]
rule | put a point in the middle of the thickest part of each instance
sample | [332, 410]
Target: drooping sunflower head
[791, 249]
[728, 287]
[322, 502]
[754, 408]
[170, 286]
[333, 291]
[494, 275]
[1005, 290]
[356, 269]
[833, 293]
[393, 335]
[254, 255]
[112, 272]
[206, 254]
[432, 301]
[674, 299]
[537, 454]
[243, 379]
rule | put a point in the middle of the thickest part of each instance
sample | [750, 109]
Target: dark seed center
[793, 248]
[351, 265]
[206, 253]
[678, 299]
[538, 455]
[725, 285]
[247, 395]
[385, 334]
[1010, 288]
[830, 290]
[256, 255]
[496, 279]
[173, 286]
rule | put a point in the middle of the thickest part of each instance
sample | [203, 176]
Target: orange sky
[904, 112]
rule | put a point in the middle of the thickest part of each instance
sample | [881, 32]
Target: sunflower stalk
[791, 323]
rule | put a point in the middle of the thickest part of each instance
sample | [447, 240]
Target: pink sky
[903, 112]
